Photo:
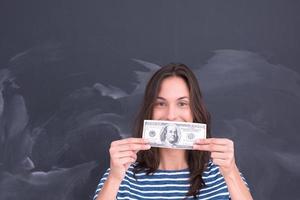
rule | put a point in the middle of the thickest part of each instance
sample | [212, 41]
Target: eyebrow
[180, 98]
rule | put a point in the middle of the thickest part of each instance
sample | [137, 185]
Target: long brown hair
[197, 160]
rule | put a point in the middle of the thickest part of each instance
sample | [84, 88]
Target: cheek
[188, 115]
[157, 114]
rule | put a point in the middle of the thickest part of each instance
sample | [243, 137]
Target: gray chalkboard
[72, 75]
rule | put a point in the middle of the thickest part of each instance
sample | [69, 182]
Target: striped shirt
[169, 184]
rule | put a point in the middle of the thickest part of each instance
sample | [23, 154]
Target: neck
[172, 159]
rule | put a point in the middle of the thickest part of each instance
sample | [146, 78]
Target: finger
[129, 140]
[210, 147]
[220, 162]
[127, 165]
[123, 154]
[133, 147]
[219, 141]
[218, 155]
[126, 160]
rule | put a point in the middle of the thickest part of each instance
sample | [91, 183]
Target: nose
[172, 113]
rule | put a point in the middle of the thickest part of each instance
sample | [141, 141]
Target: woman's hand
[222, 153]
[123, 154]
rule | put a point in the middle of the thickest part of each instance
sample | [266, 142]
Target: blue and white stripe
[168, 184]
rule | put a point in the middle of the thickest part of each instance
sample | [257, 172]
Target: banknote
[169, 134]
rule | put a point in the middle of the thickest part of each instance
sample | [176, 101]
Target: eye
[160, 104]
[182, 104]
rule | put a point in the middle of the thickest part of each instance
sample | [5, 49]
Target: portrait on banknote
[170, 134]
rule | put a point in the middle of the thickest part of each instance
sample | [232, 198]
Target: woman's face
[173, 101]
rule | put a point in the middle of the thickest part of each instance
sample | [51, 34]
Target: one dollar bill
[169, 134]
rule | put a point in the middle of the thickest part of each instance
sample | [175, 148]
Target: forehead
[173, 87]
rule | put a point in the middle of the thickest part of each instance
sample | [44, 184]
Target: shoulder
[106, 173]
[212, 175]
[211, 168]
[215, 185]
[213, 171]
[132, 171]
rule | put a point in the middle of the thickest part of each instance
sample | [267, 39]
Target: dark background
[72, 75]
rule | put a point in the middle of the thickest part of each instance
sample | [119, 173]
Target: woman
[138, 171]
